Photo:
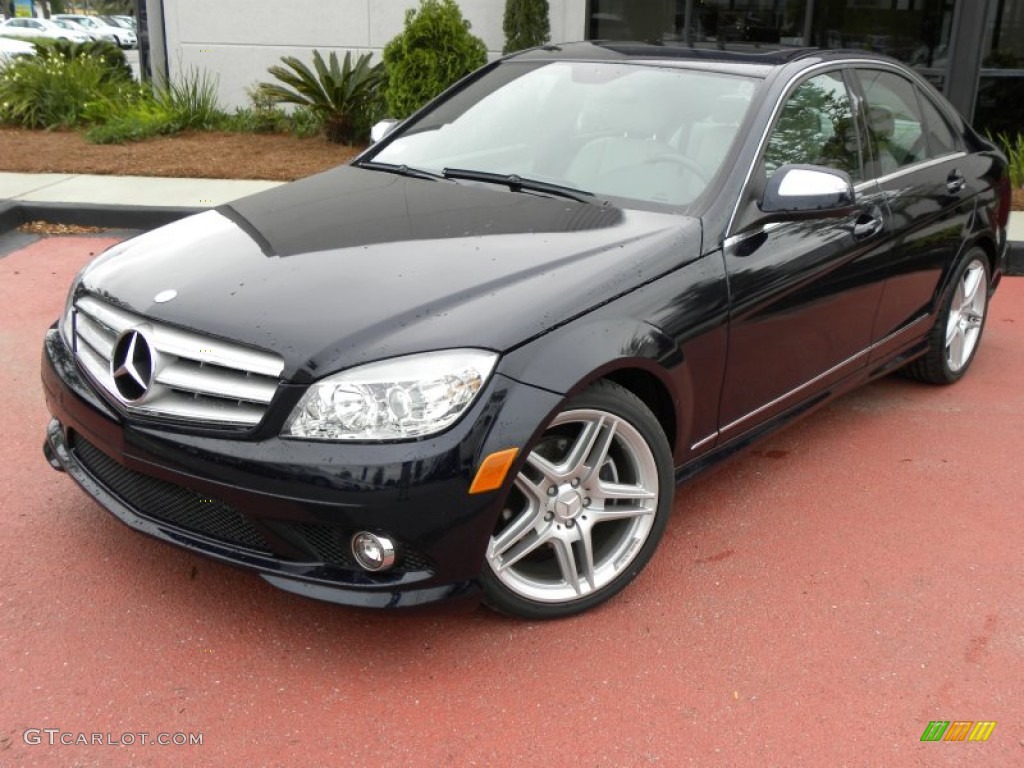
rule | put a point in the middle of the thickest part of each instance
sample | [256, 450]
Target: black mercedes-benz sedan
[475, 362]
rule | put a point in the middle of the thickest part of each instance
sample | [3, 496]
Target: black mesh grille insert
[325, 542]
[169, 503]
[331, 546]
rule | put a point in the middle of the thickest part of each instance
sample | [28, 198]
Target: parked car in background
[124, 22]
[475, 362]
[83, 36]
[99, 30]
[12, 49]
[30, 27]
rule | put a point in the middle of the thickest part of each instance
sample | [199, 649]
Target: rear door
[922, 170]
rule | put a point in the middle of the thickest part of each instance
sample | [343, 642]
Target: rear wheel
[586, 511]
[954, 339]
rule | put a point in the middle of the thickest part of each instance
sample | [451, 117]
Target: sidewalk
[140, 202]
[115, 201]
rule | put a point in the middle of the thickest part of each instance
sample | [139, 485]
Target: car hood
[354, 265]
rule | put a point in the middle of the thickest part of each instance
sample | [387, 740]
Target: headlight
[397, 399]
[64, 326]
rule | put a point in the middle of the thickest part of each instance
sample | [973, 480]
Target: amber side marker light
[492, 471]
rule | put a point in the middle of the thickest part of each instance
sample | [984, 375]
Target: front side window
[816, 127]
[648, 133]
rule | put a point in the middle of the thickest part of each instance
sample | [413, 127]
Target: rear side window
[941, 139]
[815, 126]
[898, 131]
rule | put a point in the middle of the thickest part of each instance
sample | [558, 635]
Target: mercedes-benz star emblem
[131, 366]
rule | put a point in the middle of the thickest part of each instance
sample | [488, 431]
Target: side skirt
[879, 368]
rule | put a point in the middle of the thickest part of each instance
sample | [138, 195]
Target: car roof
[755, 57]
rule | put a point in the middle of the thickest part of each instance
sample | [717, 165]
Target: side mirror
[805, 191]
[382, 129]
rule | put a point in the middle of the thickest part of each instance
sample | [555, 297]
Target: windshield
[648, 133]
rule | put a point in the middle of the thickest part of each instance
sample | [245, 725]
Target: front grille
[169, 503]
[193, 378]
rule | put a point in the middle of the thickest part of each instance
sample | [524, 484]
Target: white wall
[237, 40]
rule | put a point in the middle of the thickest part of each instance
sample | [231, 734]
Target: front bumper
[288, 508]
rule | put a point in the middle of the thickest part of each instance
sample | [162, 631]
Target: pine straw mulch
[198, 155]
[50, 228]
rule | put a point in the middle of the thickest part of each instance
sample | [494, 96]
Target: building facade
[238, 39]
[973, 50]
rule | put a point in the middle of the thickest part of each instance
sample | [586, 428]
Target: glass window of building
[1000, 105]
[927, 34]
[915, 31]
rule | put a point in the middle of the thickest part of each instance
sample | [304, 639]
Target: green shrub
[187, 103]
[305, 123]
[192, 100]
[262, 116]
[1014, 150]
[106, 52]
[139, 121]
[54, 92]
[525, 24]
[344, 97]
[434, 50]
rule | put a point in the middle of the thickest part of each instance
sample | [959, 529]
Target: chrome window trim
[859, 188]
[919, 166]
[787, 91]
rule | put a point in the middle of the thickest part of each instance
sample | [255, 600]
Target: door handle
[867, 226]
[955, 182]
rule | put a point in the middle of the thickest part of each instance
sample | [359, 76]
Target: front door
[804, 294]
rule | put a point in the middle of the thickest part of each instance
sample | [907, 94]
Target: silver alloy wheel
[580, 511]
[966, 315]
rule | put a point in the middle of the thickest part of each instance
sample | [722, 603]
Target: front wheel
[585, 512]
[954, 339]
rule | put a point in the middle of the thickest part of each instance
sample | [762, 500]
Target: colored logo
[958, 730]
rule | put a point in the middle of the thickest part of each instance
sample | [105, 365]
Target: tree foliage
[526, 24]
[434, 50]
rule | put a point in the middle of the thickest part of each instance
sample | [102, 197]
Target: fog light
[373, 552]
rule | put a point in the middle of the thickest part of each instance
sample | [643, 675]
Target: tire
[954, 339]
[586, 511]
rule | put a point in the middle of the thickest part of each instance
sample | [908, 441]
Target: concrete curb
[1015, 259]
[14, 213]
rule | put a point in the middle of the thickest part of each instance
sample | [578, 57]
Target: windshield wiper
[517, 183]
[401, 170]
